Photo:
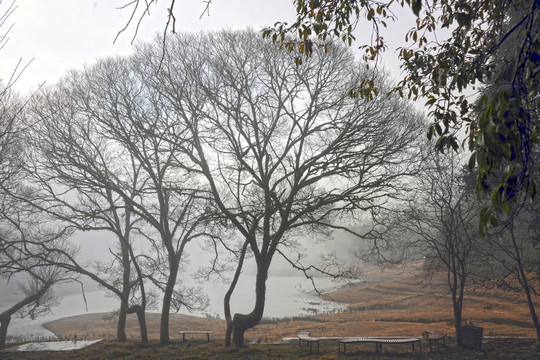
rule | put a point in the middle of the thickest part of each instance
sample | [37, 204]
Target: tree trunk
[228, 332]
[5, 319]
[458, 308]
[533, 313]
[141, 317]
[167, 297]
[121, 325]
[456, 276]
[126, 274]
[457, 323]
[525, 284]
[227, 298]
[243, 322]
[140, 311]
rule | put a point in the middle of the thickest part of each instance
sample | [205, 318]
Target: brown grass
[102, 326]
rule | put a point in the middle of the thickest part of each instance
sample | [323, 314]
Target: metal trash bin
[472, 336]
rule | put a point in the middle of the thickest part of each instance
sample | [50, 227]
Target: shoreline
[395, 303]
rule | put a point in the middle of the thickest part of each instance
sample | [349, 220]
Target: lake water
[283, 299]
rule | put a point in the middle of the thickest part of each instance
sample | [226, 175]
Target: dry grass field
[391, 303]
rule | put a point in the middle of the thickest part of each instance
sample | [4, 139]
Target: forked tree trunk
[243, 322]
[227, 311]
[458, 307]
[458, 292]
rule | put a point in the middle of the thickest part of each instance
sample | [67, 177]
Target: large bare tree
[285, 150]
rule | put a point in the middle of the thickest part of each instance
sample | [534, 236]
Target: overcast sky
[64, 34]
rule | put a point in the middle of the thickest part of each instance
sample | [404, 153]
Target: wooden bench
[195, 332]
[435, 336]
[304, 338]
[378, 341]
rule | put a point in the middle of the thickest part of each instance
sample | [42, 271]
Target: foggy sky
[64, 34]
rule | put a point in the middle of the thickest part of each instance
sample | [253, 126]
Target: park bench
[378, 341]
[304, 338]
[195, 332]
[435, 336]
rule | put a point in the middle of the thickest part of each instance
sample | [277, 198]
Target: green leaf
[463, 19]
[416, 6]
[532, 189]
[494, 199]
[438, 129]
[506, 208]
[472, 161]
[481, 160]
[430, 132]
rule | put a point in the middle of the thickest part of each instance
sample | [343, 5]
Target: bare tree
[113, 133]
[513, 251]
[439, 225]
[285, 150]
[19, 228]
[69, 167]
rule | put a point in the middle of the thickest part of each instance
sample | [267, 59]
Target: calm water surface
[286, 296]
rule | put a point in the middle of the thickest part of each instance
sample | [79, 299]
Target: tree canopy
[283, 149]
[454, 47]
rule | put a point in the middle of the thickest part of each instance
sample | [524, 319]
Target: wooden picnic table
[436, 336]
